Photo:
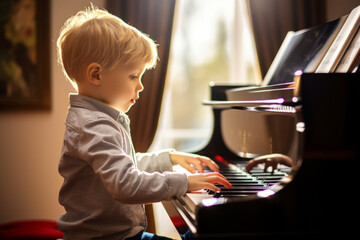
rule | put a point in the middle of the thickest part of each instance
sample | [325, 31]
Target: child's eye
[133, 77]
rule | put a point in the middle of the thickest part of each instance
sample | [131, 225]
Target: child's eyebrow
[142, 70]
[136, 72]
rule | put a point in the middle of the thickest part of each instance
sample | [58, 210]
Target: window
[211, 42]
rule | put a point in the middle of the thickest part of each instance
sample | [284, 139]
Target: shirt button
[122, 119]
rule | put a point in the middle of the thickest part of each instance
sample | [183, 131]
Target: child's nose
[140, 87]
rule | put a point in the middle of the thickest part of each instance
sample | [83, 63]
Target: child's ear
[93, 73]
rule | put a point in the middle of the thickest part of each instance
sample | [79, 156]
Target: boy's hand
[192, 161]
[206, 181]
[270, 160]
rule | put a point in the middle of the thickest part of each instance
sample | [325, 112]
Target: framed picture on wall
[24, 55]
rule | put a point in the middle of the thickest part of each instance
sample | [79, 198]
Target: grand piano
[309, 117]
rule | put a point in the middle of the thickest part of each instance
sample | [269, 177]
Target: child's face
[120, 87]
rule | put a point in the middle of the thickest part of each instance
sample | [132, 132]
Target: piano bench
[30, 229]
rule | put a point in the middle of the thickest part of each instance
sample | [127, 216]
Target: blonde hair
[95, 35]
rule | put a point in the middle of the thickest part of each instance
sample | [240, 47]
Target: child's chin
[123, 109]
[126, 109]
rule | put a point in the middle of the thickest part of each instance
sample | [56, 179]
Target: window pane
[205, 48]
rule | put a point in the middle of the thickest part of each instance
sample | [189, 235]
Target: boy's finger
[220, 179]
[211, 164]
[198, 166]
[211, 187]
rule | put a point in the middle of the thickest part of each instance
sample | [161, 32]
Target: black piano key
[270, 177]
[239, 178]
[270, 181]
[245, 184]
[232, 181]
[230, 195]
[233, 195]
[241, 189]
[236, 193]
[268, 174]
[235, 175]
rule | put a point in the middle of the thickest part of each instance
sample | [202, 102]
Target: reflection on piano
[312, 119]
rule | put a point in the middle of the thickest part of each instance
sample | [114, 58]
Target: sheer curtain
[155, 18]
[272, 19]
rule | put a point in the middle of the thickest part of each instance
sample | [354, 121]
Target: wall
[30, 142]
[338, 8]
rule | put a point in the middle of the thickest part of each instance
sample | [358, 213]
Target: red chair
[31, 229]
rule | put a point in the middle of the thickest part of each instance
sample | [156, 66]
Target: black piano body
[319, 201]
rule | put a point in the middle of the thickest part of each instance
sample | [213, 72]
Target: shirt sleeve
[158, 161]
[104, 144]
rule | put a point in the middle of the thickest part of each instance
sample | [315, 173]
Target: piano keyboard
[243, 183]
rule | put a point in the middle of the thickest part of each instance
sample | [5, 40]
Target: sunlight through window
[211, 42]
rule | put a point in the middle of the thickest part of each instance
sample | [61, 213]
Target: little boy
[105, 182]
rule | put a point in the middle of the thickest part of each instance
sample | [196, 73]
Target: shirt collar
[77, 100]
